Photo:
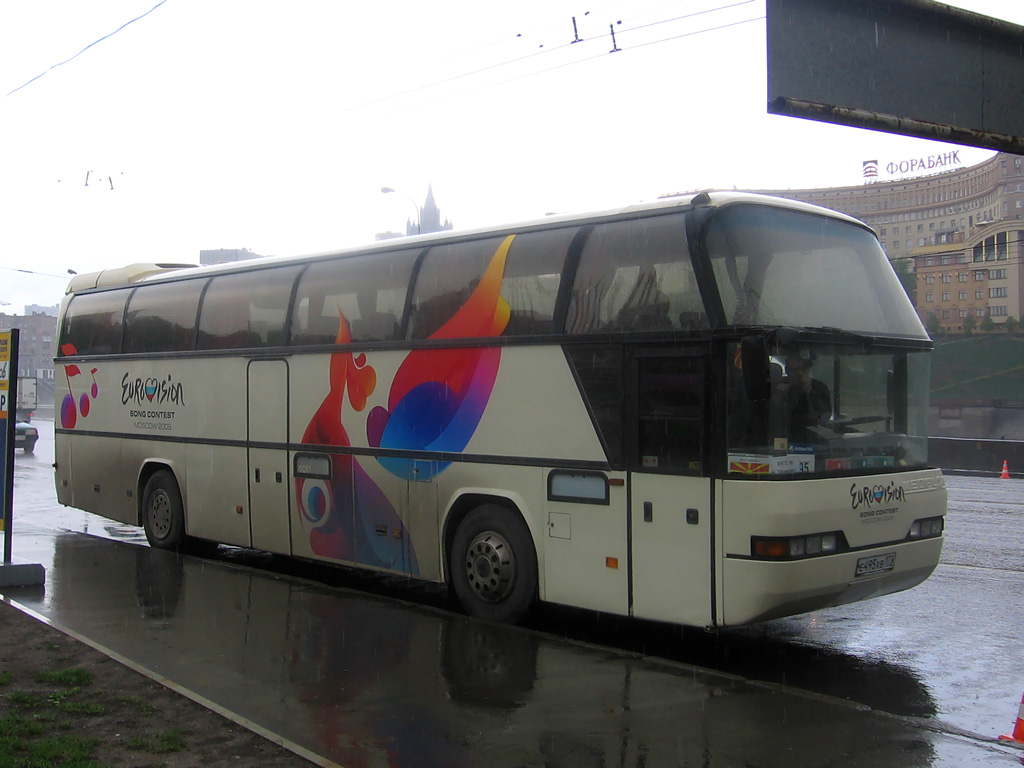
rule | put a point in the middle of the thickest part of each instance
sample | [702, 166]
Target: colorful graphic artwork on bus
[435, 403]
[438, 395]
[346, 513]
[70, 407]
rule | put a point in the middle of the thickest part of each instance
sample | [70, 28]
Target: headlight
[796, 547]
[926, 528]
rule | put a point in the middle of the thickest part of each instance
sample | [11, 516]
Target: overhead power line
[90, 45]
[546, 50]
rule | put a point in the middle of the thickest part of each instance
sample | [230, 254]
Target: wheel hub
[160, 514]
[491, 567]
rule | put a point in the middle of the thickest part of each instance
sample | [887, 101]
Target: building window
[997, 274]
[979, 293]
[930, 279]
[997, 311]
[961, 277]
[979, 275]
[929, 297]
[946, 278]
[946, 314]
[997, 293]
[962, 295]
[964, 313]
[945, 296]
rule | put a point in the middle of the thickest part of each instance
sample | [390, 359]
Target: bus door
[269, 483]
[670, 502]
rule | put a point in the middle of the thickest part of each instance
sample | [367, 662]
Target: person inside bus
[372, 325]
[808, 400]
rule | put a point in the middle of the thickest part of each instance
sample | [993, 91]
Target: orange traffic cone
[1018, 729]
[1006, 470]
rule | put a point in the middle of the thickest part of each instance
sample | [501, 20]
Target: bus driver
[808, 400]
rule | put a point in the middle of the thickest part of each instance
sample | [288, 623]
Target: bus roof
[144, 272]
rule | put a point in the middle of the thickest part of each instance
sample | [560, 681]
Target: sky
[148, 130]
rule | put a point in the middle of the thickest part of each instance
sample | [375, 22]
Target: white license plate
[875, 564]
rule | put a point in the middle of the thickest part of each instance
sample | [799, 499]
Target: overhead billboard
[912, 67]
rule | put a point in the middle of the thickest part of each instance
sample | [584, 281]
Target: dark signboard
[912, 67]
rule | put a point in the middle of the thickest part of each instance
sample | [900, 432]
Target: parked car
[25, 436]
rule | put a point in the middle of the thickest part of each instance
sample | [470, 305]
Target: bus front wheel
[163, 514]
[493, 565]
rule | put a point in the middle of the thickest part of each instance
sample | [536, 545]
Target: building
[429, 219]
[36, 348]
[960, 232]
[226, 255]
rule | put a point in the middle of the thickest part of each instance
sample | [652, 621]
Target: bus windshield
[827, 408]
[778, 267]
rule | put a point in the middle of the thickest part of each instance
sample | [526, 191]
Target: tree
[905, 272]
[933, 324]
[988, 324]
[970, 323]
[1012, 325]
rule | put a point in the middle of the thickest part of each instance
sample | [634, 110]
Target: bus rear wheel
[163, 514]
[493, 565]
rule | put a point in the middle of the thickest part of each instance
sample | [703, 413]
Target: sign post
[11, 574]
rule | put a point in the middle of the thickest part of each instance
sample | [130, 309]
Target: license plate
[875, 564]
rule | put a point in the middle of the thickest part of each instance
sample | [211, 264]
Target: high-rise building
[36, 348]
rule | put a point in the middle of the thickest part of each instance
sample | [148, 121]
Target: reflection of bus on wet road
[602, 411]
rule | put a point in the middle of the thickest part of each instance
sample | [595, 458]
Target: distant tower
[430, 218]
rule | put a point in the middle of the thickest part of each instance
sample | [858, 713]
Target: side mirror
[757, 379]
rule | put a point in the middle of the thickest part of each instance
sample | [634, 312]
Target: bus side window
[636, 276]
[533, 273]
[93, 323]
[162, 317]
[369, 291]
[446, 279]
[246, 310]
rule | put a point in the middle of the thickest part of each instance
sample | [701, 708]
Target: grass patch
[26, 700]
[141, 706]
[169, 741]
[5, 678]
[22, 747]
[70, 677]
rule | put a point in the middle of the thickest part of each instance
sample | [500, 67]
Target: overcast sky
[273, 126]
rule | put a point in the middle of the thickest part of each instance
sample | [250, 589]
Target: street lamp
[389, 190]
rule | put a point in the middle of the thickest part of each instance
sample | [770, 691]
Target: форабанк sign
[914, 166]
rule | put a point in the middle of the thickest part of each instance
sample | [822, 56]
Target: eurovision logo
[151, 391]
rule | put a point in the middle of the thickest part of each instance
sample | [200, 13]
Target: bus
[710, 410]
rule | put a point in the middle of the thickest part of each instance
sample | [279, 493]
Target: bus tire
[163, 514]
[493, 565]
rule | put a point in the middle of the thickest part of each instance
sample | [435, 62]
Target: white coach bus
[711, 410]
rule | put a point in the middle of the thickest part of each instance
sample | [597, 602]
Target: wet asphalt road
[947, 652]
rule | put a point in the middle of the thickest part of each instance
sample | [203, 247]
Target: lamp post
[389, 190]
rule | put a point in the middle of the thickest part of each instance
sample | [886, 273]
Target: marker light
[795, 547]
[926, 528]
